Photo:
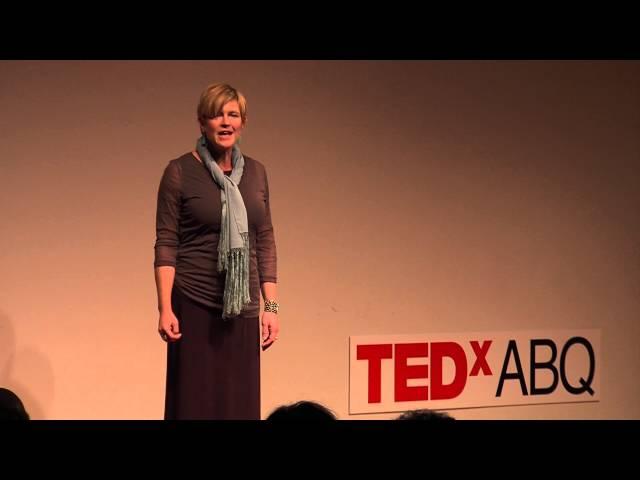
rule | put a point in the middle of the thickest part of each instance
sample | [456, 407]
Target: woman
[214, 254]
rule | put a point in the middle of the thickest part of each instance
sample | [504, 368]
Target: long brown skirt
[213, 371]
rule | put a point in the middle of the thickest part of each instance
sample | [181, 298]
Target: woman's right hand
[168, 327]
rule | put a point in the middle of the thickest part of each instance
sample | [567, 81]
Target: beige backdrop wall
[407, 197]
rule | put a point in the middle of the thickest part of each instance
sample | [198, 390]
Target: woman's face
[224, 129]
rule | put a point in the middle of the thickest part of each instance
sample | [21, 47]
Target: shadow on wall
[26, 372]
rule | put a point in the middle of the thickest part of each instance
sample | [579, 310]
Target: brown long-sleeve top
[188, 227]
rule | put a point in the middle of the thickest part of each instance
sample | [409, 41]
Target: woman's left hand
[270, 329]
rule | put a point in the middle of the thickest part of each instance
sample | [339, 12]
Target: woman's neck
[221, 157]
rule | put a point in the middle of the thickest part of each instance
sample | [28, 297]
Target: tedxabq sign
[443, 371]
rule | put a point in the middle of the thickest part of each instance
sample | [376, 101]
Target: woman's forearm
[164, 283]
[269, 290]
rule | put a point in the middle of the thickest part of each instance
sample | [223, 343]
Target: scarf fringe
[236, 289]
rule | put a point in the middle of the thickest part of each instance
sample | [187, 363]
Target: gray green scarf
[233, 245]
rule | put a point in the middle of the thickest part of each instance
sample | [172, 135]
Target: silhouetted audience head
[302, 411]
[426, 414]
[11, 407]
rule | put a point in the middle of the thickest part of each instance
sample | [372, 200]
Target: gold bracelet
[271, 306]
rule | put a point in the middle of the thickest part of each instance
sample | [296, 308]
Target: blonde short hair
[215, 96]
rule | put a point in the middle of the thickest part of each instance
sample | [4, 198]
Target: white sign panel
[394, 373]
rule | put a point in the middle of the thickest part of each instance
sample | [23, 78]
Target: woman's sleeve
[266, 244]
[168, 216]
